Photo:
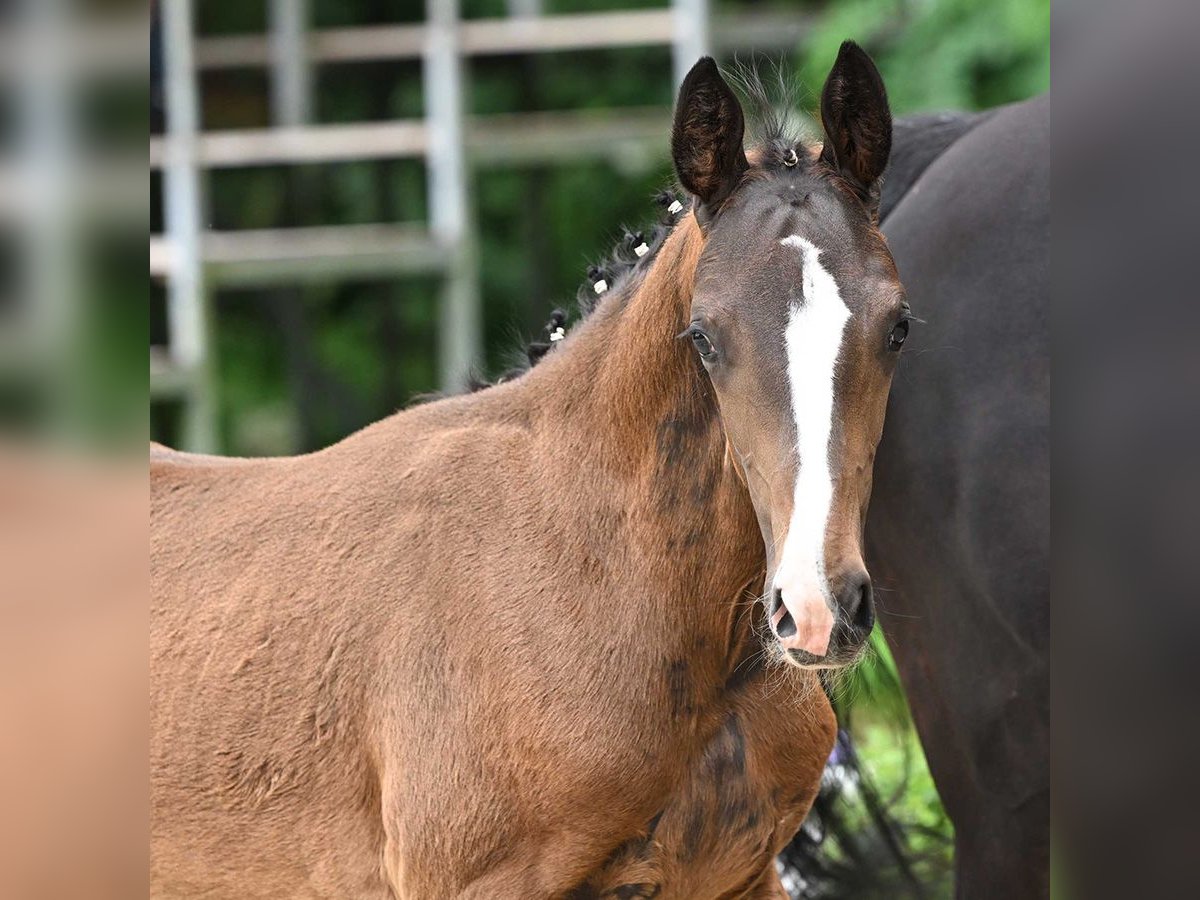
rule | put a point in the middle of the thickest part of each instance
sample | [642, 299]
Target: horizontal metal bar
[281, 255]
[580, 31]
[767, 32]
[111, 187]
[308, 144]
[632, 135]
[505, 139]
[480, 37]
[91, 47]
[291, 255]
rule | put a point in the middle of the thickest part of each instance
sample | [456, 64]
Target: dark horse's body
[959, 526]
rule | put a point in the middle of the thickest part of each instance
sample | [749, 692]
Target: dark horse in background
[959, 525]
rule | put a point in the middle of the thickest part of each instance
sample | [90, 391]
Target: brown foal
[511, 644]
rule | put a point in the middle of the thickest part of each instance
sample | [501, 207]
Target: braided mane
[776, 139]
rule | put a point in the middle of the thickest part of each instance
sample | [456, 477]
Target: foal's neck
[630, 387]
[630, 397]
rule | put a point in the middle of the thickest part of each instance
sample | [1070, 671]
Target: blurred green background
[300, 367]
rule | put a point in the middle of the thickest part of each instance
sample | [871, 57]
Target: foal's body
[343, 638]
[507, 645]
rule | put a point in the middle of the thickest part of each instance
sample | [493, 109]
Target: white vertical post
[691, 35]
[291, 83]
[187, 301]
[459, 327]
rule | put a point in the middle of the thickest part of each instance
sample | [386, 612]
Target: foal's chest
[746, 797]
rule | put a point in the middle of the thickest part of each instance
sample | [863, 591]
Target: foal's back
[279, 588]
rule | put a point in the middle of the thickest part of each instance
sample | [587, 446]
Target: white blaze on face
[813, 340]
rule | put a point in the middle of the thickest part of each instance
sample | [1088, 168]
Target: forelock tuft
[773, 110]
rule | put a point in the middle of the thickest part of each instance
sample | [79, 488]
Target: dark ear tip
[705, 68]
[852, 54]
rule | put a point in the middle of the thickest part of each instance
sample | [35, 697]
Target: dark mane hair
[771, 105]
[611, 275]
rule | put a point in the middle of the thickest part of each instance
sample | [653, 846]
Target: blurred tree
[940, 54]
[354, 352]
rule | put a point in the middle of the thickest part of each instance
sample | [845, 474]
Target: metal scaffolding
[193, 261]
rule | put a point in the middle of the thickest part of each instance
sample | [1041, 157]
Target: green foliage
[940, 54]
[874, 684]
[894, 812]
[895, 764]
[538, 226]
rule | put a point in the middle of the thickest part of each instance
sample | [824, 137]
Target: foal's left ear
[858, 122]
[706, 141]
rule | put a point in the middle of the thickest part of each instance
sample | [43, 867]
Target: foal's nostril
[861, 608]
[786, 626]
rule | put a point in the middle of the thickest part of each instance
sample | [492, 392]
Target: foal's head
[798, 316]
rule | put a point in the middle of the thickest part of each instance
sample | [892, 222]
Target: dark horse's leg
[1004, 855]
[960, 516]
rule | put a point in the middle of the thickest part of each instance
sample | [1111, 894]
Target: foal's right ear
[706, 141]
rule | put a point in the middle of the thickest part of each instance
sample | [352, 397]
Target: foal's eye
[702, 344]
[898, 335]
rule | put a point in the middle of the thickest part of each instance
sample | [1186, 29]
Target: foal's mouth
[835, 659]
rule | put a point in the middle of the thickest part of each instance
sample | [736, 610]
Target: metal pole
[691, 39]
[187, 300]
[459, 327]
[291, 107]
[291, 82]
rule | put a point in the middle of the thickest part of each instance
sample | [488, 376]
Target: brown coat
[493, 646]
